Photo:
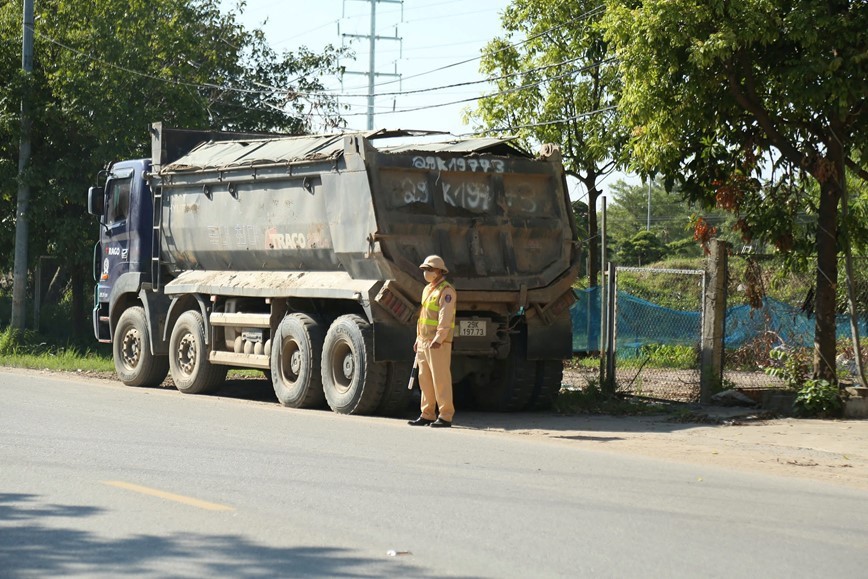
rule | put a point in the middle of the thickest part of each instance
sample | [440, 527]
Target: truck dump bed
[370, 207]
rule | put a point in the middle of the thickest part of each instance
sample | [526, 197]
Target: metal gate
[655, 327]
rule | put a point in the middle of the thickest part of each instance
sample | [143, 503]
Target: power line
[144, 74]
[499, 93]
[485, 80]
[561, 121]
[587, 14]
[268, 90]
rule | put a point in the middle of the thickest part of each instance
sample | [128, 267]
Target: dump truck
[299, 256]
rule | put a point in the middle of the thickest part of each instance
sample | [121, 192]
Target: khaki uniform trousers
[435, 381]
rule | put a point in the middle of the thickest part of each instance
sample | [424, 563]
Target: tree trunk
[829, 173]
[593, 241]
[78, 313]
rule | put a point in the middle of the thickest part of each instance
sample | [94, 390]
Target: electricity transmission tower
[372, 62]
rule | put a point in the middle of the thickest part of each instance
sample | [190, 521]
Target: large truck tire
[296, 349]
[396, 397]
[511, 382]
[549, 379]
[353, 382]
[135, 365]
[191, 370]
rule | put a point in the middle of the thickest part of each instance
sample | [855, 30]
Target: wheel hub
[349, 366]
[187, 354]
[295, 363]
[131, 350]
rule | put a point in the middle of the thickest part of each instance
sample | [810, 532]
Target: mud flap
[552, 342]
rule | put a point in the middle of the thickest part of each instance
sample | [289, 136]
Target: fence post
[713, 318]
[609, 386]
[604, 308]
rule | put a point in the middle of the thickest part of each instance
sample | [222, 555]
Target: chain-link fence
[657, 329]
[656, 334]
[658, 324]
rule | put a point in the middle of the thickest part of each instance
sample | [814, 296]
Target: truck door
[116, 234]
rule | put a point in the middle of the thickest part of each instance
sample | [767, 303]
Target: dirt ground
[832, 451]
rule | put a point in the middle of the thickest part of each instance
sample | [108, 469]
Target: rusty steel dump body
[300, 255]
[342, 204]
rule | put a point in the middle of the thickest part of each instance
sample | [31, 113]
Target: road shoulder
[832, 451]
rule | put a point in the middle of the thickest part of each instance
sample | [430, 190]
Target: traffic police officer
[433, 345]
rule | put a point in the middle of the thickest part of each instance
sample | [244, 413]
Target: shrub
[819, 399]
[790, 365]
[10, 340]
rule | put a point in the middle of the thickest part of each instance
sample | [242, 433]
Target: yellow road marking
[168, 496]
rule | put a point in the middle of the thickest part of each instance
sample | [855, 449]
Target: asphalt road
[97, 479]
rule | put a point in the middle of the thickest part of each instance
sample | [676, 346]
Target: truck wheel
[396, 397]
[511, 383]
[131, 350]
[295, 362]
[549, 377]
[192, 372]
[352, 381]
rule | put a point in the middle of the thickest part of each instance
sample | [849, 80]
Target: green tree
[105, 69]
[717, 92]
[642, 248]
[556, 83]
[671, 216]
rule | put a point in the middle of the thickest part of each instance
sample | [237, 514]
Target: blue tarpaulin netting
[792, 325]
[641, 322]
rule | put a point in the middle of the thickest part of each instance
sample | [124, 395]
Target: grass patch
[583, 363]
[29, 350]
[667, 356]
[592, 400]
[62, 361]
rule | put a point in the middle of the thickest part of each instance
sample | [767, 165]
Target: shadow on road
[603, 428]
[259, 389]
[34, 542]
[549, 423]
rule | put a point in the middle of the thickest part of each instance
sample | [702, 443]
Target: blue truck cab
[122, 256]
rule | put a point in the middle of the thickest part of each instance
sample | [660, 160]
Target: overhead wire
[481, 81]
[499, 93]
[511, 128]
[586, 14]
[143, 74]
[269, 90]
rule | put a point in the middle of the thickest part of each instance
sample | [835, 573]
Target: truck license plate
[471, 328]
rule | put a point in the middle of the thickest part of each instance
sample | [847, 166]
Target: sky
[440, 43]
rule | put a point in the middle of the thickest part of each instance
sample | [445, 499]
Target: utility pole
[648, 220]
[19, 284]
[372, 60]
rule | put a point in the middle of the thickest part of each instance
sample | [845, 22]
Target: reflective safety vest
[429, 315]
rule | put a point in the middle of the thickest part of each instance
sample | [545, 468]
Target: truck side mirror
[96, 201]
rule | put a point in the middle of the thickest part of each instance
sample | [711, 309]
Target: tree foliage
[738, 100]
[642, 248]
[103, 70]
[670, 216]
[556, 83]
